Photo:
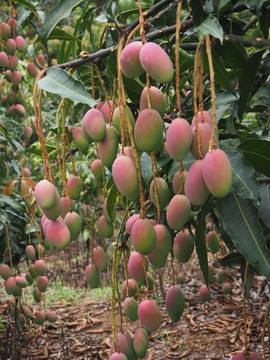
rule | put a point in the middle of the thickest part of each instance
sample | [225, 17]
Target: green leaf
[59, 12]
[110, 203]
[13, 203]
[241, 220]
[246, 81]
[186, 61]
[232, 259]
[243, 175]
[212, 27]
[27, 4]
[257, 153]
[197, 12]
[264, 209]
[234, 54]
[58, 81]
[221, 5]
[60, 34]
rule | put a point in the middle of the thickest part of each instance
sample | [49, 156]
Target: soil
[212, 330]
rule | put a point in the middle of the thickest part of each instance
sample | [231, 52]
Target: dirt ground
[213, 330]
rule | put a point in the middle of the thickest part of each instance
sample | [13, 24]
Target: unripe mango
[178, 139]
[5, 30]
[26, 172]
[94, 124]
[157, 100]
[125, 177]
[100, 259]
[73, 222]
[136, 265]
[211, 272]
[105, 227]
[107, 110]
[130, 60]
[92, 276]
[158, 256]
[10, 46]
[29, 278]
[175, 303]
[176, 182]
[51, 316]
[40, 317]
[45, 194]
[163, 192]
[204, 293]
[11, 286]
[226, 288]
[118, 356]
[8, 75]
[130, 222]
[20, 110]
[125, 115]
[27, 311]
[74, 186]
[181, 278]
[3, 59]
[40, 267]
[4, 101]
[5, 271]
[130, 308]
[125, 346]
[178, 212]
[107, 148]
[41, 60]
[140, 342]
[156, 63]
[97, 169]
[42, 283]
[132, 288]
[143, 236]
[12, 22]
[220, 276]
[32, 271]
[212, 241]
[30, 252]
[195, 187]
[217, 172]
[148, 131]
[20, 97]
[58, 234]
[32, 69]
[203, 117]
[149, 315]
[183, 246]
[65, 206]
[12, 62]
[239, 356]
[80, 141]
[20, 43]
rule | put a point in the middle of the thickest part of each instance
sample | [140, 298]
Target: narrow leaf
[111, 199]
[58, 81]
[212, 27]
[264, 209]
[241, 220]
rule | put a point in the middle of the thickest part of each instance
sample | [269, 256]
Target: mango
[175, 303]
[253, 356]
[92, 276]
[50, 316]
[45, 194]
[27, 311]
[204, 293]
[20, 43]
[130, 222]
[149, 315]
[211, 272]
[157, 100]
[130, 60]
[29, 278]
[105, 227]
[143, 236]
[178, 212]
[178, 139]
[10, 46]
[12, 63]
[157, 259]
[94, 124]
[239, 356]
[118, 356]
[183, 246]
[40, 317]
[195, 187]
[108, 147]
[158, 256]
[220, 276]
[58, 234]
[100, 259]
[74, 187]
[212, 241]
[26, 172]
[5, 30]
[11, 286]
[163, 193]
[20, 110]
[203, 117]
[125, 346]
[20, 97]
[129, 285]
[148, 131]
[41, 60]
[73, 222]
[32, 271]
[54, 212]
[181, 278]
[217, 172]
[8, 75]
[80, 141]
[4, 100]
[65, 206]
[97, 169]
[3, 59]
[205, 133]
[226, 288]
[42, 283]
[107, 110]
[5, 271]
[135, 266]
[140, 342]
[32, 69]
[130, 308]
[156, 63]
[21, 281]
[176, 182]
[40, 267]
[125, 177]
[127, 114]
[99, 105]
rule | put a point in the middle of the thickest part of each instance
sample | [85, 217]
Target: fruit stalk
[9, 249]
[177, 32]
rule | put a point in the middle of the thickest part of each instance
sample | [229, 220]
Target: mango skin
[30, 252]
[94, 124]
[140, 342]
[79, 140]
[45, 194]
[212, 241]
[65, 207]
[50, 316]
[175, 303]
[183, 246]
[130, 308]
[100, 259]
[73, 222]
[158, 256]
[105, 227]
[107, 110]
[203, 117]
[11, 286]
[178, 139]
[32, 69]
[205, 132]
[92, 276]
[163, 193]
[143, 236]
[195, 187]
[3, 59]
[74, 186]
[176, 182]
[217, 172]
[40, 267]
[135, 266]
[156, 63]
[107, 148]
[131, 221]
[130, 60]
[42, 283]
[226, 288]
[239, 356]
[148, 131]
[132, 288]
[40, 317]
[204, 293]
[149, 315]
[125, 346]
[125, 176]
[5, 271]
[116, 121]
[178, 212]
[97, 168]
[157, 100]
[5, 29]
[58, 234]
[118, 356]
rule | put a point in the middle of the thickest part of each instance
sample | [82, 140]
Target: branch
[258, 42]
